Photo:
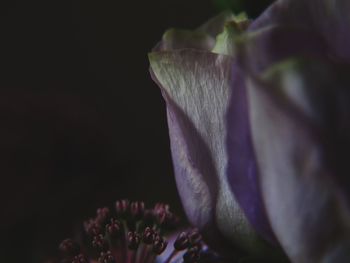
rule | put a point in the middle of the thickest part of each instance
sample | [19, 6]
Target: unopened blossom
[194, 71]
[259, 123]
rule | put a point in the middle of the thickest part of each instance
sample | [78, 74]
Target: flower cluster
[133, 234]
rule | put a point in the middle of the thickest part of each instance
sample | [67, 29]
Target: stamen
[133, 240]
[69, 247]
[131, 234]
[122, 208]
[106, 257]
[137, 209]
[194, 237]
[159, 245]
[102, 214]
[92, 228]
[182, 241]
[80, 259]
[191, 255]
[99, 242]
[114, 228]
[148, 236]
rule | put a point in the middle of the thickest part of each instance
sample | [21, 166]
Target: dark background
[82, 123]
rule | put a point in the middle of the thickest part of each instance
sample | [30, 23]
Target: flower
[194, 71]
[258, 115]
[133, 234]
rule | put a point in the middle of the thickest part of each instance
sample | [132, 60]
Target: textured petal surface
[328, 18]
[242, 172]
[291, 110]
[197, 86]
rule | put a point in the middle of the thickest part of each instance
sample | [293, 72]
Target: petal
[178, 39]
[196, 86]
[305, 192]
[242, 170]
[202, 38]
[257, 51]
[215, 34]
[225, 41]
[180, 74]
[215, 25]
[272, 44]
[329, 19]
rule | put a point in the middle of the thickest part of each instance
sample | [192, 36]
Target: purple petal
[290, 111]
[329, 19]
[185, 94]
[242, 169]
[267, 46]
[196, 86]
[261, 49]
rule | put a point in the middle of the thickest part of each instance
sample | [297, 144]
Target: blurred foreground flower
[133, 234]
[259, 123]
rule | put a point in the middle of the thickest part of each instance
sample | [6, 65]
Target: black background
[82, 123]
